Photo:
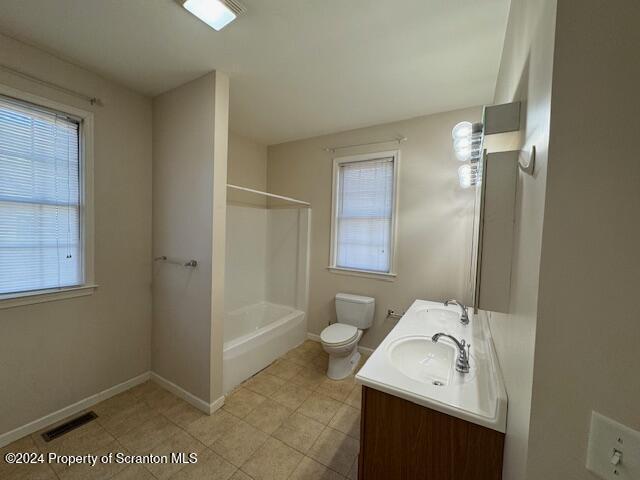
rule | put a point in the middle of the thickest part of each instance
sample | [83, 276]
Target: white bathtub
[255, 336]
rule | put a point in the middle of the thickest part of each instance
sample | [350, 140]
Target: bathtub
[255, 336]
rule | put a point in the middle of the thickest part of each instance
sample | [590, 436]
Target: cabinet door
[404, 441]
[494, 230]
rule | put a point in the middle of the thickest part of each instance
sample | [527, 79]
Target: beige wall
[525, 74]
[57, 353]
[434, 222]
[183, 196]
[247, 165]
[588, 327]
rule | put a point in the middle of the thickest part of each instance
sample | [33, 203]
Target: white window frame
[85, 119]
[333, 250]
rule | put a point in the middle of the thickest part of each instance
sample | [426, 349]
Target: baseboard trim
[313, 337]
[365, 350]
[197, 402]
[40, 423]
[316, 338]
[216, 405]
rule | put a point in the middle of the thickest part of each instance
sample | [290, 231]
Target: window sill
[387, 277]
[11, 300]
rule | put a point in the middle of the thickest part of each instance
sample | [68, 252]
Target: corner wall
[434, 220]
[189, 165]
[588, 327]
[56, 353]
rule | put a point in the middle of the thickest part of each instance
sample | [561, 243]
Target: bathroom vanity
[422, 419]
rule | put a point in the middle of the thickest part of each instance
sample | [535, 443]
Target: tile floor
[287, 422]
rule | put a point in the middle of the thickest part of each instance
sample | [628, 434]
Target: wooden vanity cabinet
[405, 441]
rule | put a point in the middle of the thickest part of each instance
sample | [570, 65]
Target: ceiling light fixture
[215, 13]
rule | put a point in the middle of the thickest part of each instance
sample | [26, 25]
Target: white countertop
[479, 396]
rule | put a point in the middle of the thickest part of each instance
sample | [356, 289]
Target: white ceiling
[298, 68]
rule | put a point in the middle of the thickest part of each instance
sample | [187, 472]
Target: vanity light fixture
[467, 141]
[215, 13]
[467, 146]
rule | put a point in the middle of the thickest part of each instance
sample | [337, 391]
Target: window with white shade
[41, 199]
[364, 206]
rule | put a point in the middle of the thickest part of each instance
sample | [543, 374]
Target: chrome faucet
[464, 315]
[462, 362]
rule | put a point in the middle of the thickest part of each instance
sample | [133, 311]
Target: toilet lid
[338, 333]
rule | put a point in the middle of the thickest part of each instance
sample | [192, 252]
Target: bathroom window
[364, 214]
[43, 202]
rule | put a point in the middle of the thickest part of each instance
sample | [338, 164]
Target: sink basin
[419, 358]
[439, 317]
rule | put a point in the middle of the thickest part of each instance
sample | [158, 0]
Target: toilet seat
[338, 334]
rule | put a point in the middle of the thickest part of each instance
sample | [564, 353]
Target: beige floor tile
[321, 362]
[239, 443]
[309, 377]
[148, 435]
[161, 400]
[91, 433]
[240, 475]
[283, 369]
[337, 389]
[183, 414]
[25, 444]
[210, 428]
[210, 466]
[180, 442]
[320, 408]
[299, 432]
[311, 345]
[139, 391]
[363, 359]
[272, 461]
[115, 404]
[99, 471]
[84, 440]
[242, 401]
[134, 472]
[294, 357]
[353, 472]
[309, 469]
[307, 357]
[355, 397]
[264, 384]
[119, 422]
[268, 416]
[34, 471]
[292, 395]
[305, 354]
[347, 420]
[335, 450]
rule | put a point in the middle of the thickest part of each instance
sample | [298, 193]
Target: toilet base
[342, 367]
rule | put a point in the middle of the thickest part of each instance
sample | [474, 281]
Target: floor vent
[68, 426]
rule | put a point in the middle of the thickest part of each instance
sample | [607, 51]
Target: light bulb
[463, 154]
[467, 175]
[462, 130]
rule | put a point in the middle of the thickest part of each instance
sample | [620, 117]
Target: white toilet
[340, 340]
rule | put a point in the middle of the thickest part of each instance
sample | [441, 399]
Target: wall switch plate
[614, 449]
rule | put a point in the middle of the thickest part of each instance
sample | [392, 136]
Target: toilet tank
[355, 310]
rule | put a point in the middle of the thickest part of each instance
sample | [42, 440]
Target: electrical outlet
[614, 449]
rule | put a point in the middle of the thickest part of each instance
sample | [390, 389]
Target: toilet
[340, 339]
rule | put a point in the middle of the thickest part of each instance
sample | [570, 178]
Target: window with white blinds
[364, 207]
[40, 207]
